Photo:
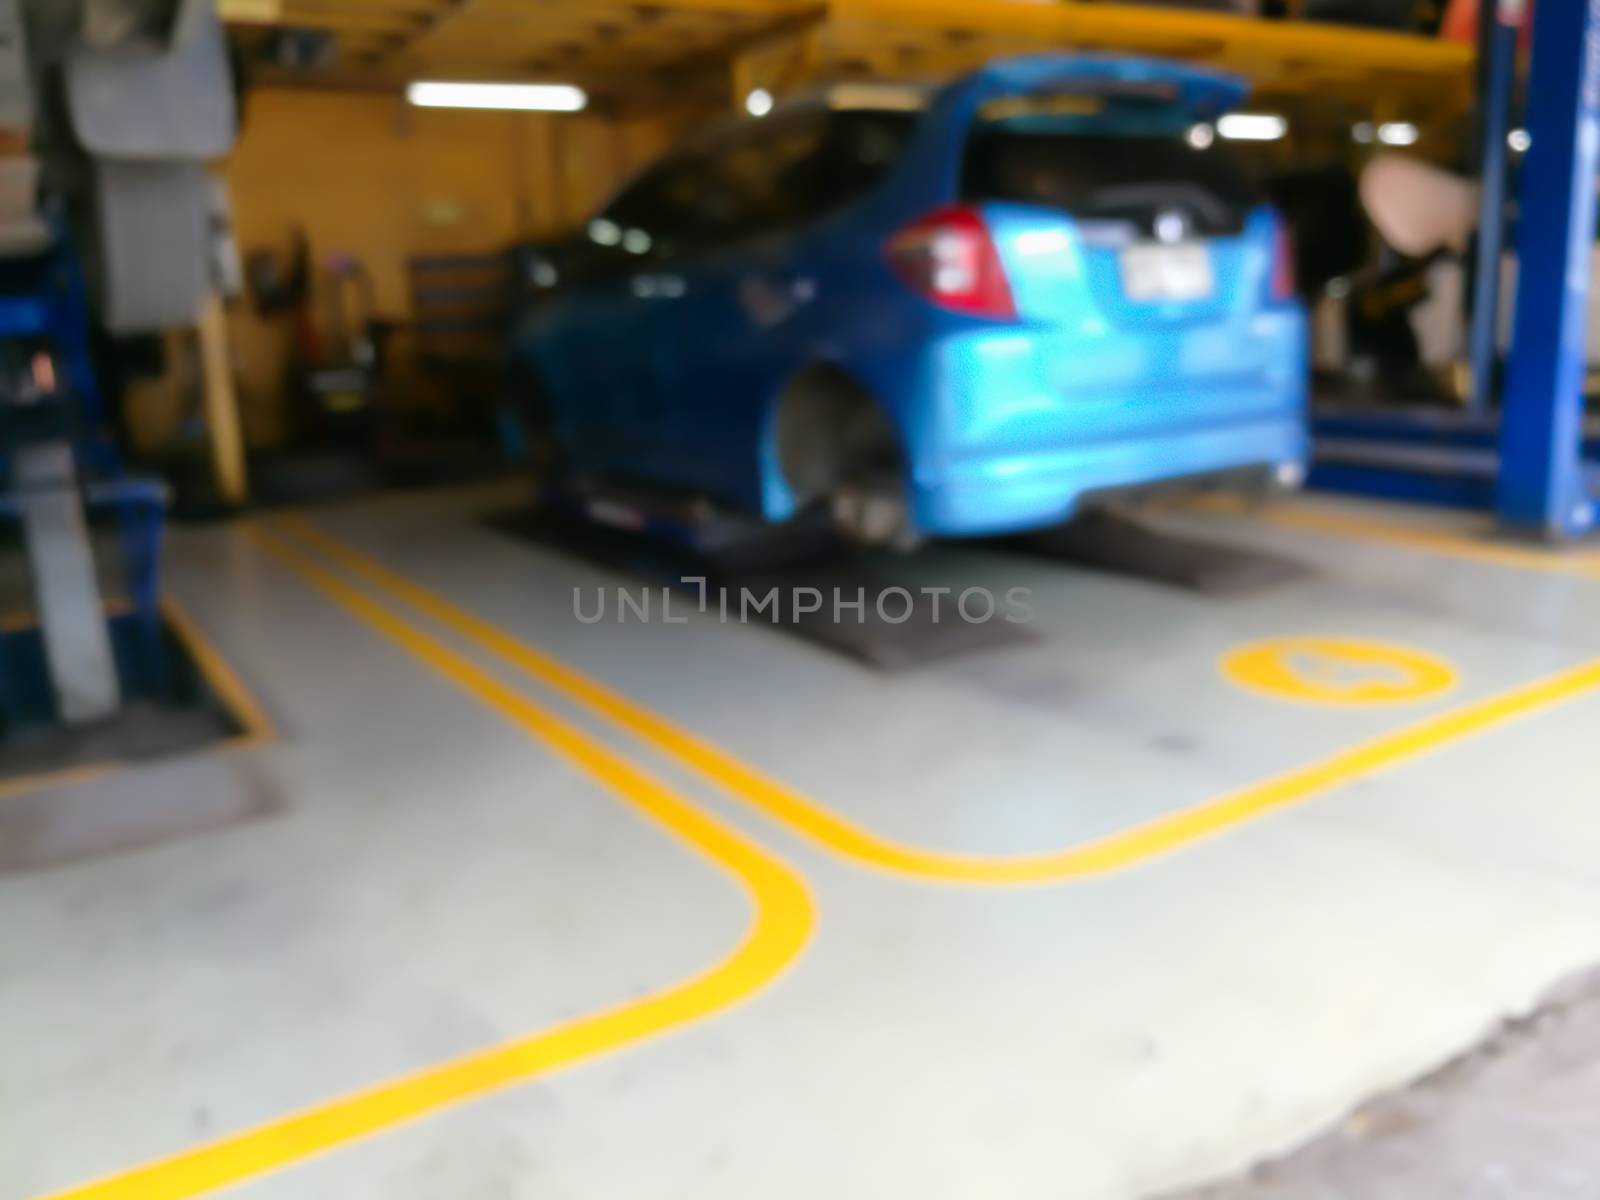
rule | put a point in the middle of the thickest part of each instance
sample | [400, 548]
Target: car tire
[837, 450]
[870, 509]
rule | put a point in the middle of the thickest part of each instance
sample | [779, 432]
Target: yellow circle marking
[1346, 671]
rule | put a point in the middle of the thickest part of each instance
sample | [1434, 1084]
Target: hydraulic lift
[78, 659]
[1530, 459]
[1544, 486]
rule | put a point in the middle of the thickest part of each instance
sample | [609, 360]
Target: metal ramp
[744, 563]
[1111, 541]
[734, 564]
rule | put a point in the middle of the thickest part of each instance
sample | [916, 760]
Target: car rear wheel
[837, 449]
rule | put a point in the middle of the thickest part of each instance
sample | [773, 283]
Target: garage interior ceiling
[628, 51]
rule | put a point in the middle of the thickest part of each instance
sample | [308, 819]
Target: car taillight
[949, 257]
[1282, 262]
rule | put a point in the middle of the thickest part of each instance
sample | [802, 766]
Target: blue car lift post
[1533, 463]
[1544, 488]
[81, 662]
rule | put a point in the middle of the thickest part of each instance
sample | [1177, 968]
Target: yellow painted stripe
[782, 920]
[24, 619]
[38, 781]
[1553, 560]
[842, 837]
[255, 725]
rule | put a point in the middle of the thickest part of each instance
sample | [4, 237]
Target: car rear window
[1110, 177]
[794, 171]
[762, 178]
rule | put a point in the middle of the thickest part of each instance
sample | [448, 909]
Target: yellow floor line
[1584, 564]
[39, 781]
[842, 837]
[255, 726]
[782, 920]
[23, 619]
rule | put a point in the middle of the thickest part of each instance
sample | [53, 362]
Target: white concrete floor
[440, 882]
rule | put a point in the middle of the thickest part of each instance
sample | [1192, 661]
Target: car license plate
[1156, 271]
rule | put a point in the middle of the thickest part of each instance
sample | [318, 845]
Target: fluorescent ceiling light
[1519, 140]
[1202, 135]
[1252, 127]
[258, 12]
[523, 97]
[1397, 133]
[1364, 132]
[895, 97]
[758, 103]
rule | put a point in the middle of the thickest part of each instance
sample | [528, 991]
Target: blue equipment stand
[43, 305]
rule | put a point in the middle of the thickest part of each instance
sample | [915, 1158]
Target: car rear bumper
[1014, 427]
[1033, 489]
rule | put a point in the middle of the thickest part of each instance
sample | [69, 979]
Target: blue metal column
[1499, 25]
[1541, 489]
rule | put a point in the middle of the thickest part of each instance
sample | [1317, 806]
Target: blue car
[958, 311]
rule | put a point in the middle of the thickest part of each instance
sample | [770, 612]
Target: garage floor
[1126, 907]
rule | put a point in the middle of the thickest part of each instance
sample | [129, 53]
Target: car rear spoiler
[1203, 94]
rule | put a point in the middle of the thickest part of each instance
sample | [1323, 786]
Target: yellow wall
[369, 176]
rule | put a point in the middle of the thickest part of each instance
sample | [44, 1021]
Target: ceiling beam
[649, 48]
[391, 22]
[793, 24]
[1133, 26]
[423, 28]
[647, 9]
